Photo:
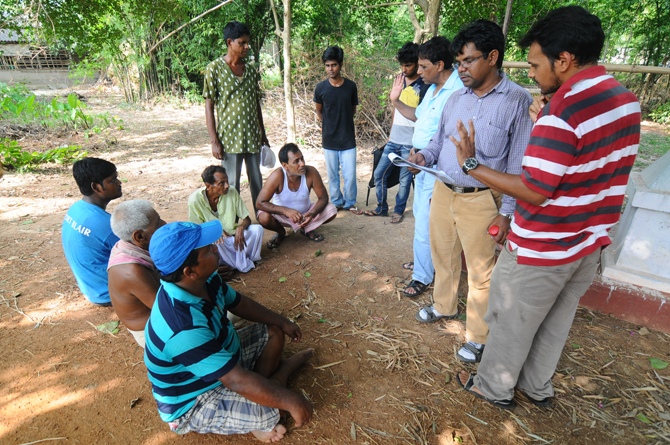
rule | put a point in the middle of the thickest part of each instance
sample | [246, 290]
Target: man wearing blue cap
[206, 376]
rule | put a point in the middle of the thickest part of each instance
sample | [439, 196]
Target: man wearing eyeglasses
[462, 212]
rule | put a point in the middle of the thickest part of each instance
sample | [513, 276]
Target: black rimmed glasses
[467, 63]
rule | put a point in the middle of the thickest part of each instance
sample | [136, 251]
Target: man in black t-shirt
[336, 99]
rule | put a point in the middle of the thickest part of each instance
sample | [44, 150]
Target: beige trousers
[459, 223]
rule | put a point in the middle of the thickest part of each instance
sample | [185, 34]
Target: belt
[459, 189]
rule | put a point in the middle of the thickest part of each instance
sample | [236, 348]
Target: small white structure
[640, 254]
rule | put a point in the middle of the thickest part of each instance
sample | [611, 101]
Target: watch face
[470, 163]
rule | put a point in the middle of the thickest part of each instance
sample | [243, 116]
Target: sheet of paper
[439, 174]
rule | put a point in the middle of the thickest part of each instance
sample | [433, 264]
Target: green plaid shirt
[235, 102]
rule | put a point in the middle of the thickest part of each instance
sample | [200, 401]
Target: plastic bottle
[493, 231]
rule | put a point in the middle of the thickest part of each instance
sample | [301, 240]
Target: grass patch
[652, 147]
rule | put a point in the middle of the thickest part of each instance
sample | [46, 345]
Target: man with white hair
[133, 278]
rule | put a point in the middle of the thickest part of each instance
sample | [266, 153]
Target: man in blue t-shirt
[87, 235]
[206, 376]
[336, 99]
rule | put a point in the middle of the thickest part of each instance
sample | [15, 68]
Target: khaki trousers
[459, 222]
[530, 315]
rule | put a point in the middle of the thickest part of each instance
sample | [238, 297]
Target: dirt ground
[378, 376]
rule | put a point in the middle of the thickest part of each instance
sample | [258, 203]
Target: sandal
[396, 219]
[355, 210]
[375, 213]
[313, 236]
[417, 286]
[542, 403]
[408, 266]
[431, 316]
[477, 352]
[470, 384]
[275, 241]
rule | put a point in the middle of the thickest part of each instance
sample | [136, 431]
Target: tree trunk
[288, 86]
[285, 34]
[508, 15]
[431, 13]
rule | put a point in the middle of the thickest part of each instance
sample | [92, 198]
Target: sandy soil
[378, 377]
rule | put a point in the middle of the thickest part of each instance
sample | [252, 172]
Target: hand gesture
[465, 148]
[398, 85]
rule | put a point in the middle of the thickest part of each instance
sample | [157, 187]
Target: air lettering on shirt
[78, 227]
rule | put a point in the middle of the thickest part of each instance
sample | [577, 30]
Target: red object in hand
[493, 230]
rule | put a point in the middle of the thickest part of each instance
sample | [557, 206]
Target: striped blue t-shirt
[190, 344]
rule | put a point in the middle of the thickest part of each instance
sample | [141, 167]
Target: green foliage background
[118, 36]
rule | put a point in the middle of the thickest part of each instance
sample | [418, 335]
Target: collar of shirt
[501, 87]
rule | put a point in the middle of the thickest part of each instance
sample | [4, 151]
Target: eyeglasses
[468, 62]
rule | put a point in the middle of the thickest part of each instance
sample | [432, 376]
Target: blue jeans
[346, 159]
[382, 173]
[424, 271]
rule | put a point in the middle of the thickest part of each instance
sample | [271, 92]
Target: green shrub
[661, 114]
[14, 157]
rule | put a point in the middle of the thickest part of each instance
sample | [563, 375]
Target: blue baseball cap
[171, 244]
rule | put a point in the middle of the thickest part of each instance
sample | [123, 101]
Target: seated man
[206, 376]
[240, 244]
[86, 234]
[284, 199]
[133, 278]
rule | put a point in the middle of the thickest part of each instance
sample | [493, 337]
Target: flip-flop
[432, 317]
[355, 210]
[470, 383]
[396, 219]
[375, 213]
[408, 265]
[275, 241]
[312, 236]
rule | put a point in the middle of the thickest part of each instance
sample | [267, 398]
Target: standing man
[436, 70]
[569, 195]
[232, 88]
[461, 213]
[87, 236]
[241, 242]
[284, 199]
[336, 99]
[400, 138]
[133, 278]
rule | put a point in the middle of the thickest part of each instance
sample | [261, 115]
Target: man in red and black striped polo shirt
[569, 195]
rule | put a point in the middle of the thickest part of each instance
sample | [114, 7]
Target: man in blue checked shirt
[207, 377]
[462, 212]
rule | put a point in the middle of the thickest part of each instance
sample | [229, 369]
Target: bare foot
[275, 435]
[290, 365]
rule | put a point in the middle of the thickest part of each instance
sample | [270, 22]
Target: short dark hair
[486, 36]
[234, 30]
[436, 50]
[285, 150]
[190, 261]
[333, 53]
[89, 170]
[409, 53]
[570, 28]
[208, 173]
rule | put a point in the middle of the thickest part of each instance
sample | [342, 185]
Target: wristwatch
[470, 164]
[507, 215]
